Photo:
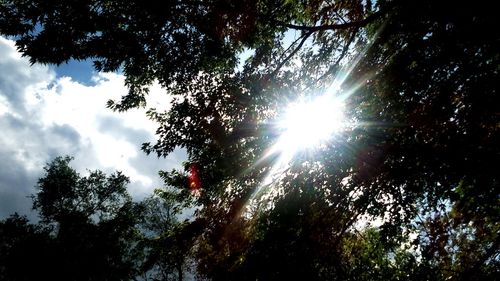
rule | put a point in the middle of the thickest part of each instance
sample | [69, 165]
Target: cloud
[43, 115]
[18, 78]
[16, 184]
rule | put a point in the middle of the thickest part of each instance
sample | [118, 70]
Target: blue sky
[47, 111]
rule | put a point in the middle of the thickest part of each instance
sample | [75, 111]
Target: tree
[93, 221]
[62, 192]
[91, 230]
[421, 80]
[445, 144]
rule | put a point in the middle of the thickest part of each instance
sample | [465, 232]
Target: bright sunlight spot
[308, 124]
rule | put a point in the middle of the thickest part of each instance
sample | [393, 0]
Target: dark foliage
[87, 230]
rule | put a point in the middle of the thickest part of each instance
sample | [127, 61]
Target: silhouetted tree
[87, 232]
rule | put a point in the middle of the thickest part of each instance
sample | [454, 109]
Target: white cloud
[42, 116]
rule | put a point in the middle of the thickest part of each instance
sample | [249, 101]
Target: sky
[49, 111]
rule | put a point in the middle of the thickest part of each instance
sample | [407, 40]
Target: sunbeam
[308, 124]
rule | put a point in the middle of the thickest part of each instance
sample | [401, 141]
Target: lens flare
[194, 182]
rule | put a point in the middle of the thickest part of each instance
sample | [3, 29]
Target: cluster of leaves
[421, 79]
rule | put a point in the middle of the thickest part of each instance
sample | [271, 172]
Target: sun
[304, 125]
[307, 124]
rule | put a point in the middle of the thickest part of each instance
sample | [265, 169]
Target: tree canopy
[408, 189]
[86, 232]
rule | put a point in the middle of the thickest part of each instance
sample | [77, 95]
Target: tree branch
[291, 45]
[280, 65]
[337, 26]
[341, 56]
